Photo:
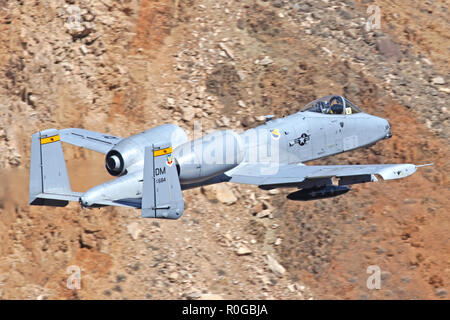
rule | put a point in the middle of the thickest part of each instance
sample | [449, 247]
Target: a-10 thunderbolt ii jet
[153, 167]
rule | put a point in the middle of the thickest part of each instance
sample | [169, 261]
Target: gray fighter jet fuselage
[154, 166]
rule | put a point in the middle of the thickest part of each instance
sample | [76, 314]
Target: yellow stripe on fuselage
[162, 152]
[50, 139]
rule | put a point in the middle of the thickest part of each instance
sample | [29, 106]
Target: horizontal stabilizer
[96, 141]
[55, 200]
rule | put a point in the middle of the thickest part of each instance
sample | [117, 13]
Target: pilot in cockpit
[332, 104]
[336, 105]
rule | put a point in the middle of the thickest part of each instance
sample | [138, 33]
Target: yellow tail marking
[50, 139]
[162, 152]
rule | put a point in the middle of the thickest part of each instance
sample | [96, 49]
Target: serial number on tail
[160, 180]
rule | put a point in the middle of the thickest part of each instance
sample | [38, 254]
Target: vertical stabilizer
[161, 196]
[49, 182]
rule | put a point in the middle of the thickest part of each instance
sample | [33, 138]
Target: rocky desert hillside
[123, 66]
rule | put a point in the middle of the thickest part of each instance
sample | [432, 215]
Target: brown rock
[243, 251]
[274, 266]
[220, 192]
[248, 121]
[389, 49]
[134, 230]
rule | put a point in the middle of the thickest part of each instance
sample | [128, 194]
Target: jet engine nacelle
[130, 151]
[208, 156]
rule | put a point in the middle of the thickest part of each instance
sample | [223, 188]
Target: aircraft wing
[267, 174]
[96, 141]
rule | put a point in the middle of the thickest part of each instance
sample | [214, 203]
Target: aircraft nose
[381, 128]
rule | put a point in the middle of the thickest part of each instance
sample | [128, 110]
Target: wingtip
[424, 165]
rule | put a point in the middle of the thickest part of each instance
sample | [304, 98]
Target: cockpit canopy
[332, 104]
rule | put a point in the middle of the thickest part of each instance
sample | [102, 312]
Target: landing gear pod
[318, 193]
[209, 156]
